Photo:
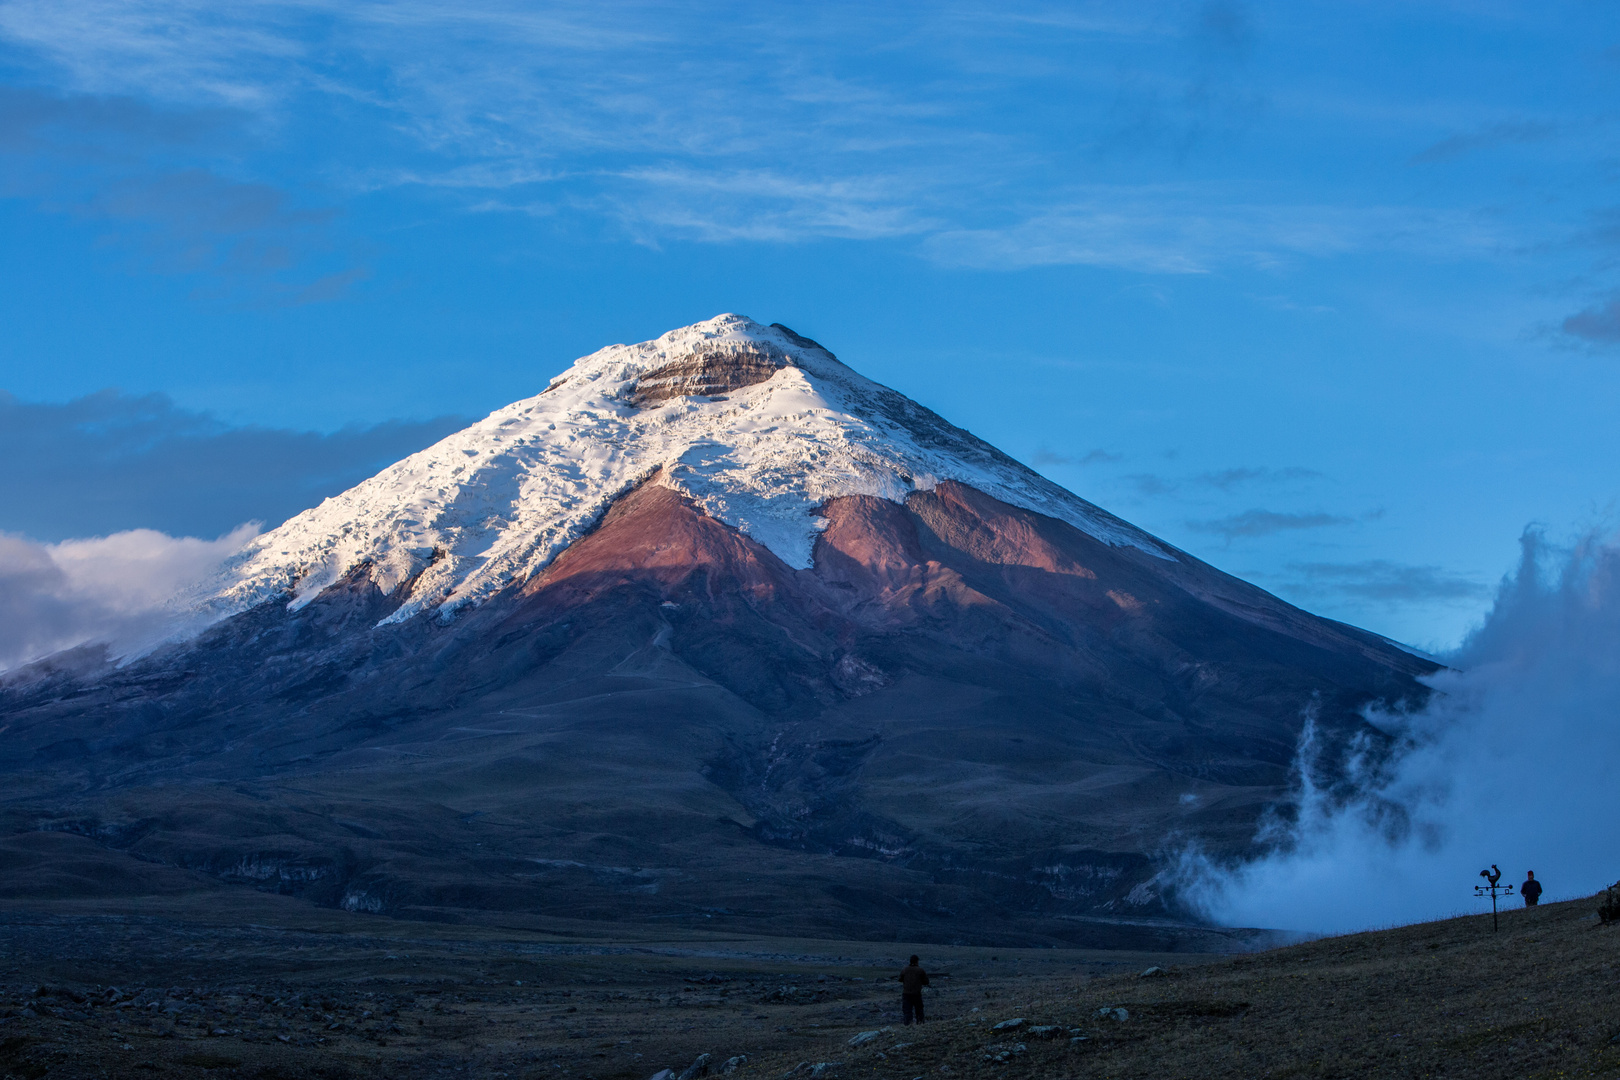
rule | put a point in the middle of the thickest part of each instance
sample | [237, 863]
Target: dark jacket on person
[1531, 891]
[912, 979]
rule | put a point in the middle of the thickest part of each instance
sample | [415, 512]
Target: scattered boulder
[1154, 973]
[1113, 1012]
[1046, 1031]
[698, 1068]
[821, 1068]
[1609, 904]
[734, 1063]
[863, 1038]
[1008, 1025]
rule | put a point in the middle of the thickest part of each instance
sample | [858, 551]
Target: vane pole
[1493, 890]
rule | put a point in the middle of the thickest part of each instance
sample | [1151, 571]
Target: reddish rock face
[965, 715]
[872, 562]
[1156, 696]
[953, 565]
[655, 537]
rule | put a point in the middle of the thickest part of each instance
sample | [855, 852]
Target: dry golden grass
[1443, 999]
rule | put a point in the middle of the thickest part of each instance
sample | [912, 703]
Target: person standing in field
[912, 980]
[1531, 889]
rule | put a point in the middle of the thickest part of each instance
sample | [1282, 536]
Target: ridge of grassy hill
[1452, 998]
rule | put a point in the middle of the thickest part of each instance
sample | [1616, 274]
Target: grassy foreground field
[275, 989]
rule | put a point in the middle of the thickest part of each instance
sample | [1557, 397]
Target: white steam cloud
[116, 589]
[1515, 761]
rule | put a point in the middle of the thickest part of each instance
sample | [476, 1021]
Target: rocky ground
[282, 990]
[330, 994]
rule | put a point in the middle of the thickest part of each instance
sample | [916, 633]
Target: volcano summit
[712, 629]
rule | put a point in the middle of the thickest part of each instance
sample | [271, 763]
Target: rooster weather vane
[1493, 890]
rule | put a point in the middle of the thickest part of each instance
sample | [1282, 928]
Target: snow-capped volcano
[738, 635]
[755, 424]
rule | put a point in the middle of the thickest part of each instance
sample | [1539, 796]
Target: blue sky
[1327, 294]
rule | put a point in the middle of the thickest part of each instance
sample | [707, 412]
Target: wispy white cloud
[174, 50]
[1194, 230]
[653, 119]
[765, 205]
[115, 590]
[98, 465]
[725, 122]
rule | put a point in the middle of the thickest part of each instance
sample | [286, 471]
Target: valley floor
[269, 988]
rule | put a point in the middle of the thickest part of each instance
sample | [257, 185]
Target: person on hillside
[1531, 889]
[912, 980]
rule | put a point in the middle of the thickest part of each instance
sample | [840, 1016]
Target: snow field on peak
[496, 502]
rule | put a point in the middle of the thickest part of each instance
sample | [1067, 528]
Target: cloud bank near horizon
[116, 590]
[108, 501]
[1512, 762]
[112, 462]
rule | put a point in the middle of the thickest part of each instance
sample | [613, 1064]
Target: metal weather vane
[1493, 890]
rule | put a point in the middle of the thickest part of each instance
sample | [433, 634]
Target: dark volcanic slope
[968, 720]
